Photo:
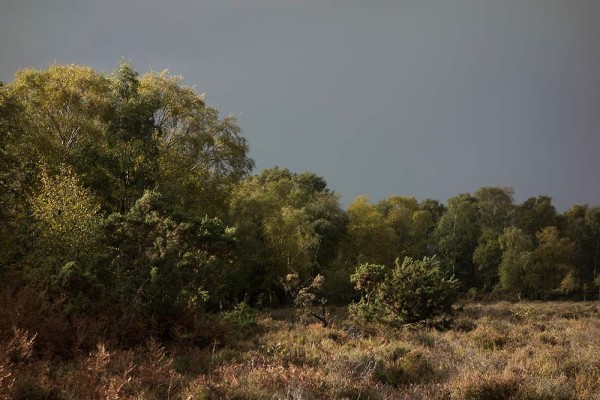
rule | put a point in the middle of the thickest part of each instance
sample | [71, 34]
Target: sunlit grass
[499, 350]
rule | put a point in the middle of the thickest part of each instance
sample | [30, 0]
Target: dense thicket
[126, 193]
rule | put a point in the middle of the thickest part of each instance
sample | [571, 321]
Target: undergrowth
[493, 351]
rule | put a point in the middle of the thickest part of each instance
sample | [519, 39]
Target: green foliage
[495, 205]
[81, 285]
[487, 258]
[161, 267]
[417, 290]
[242, 316]
[288, 224]
[536, 213]
[16, 172]
[64, 108]
[535, 271]
[398, 212]
[457, 234]
[367, 277]
[67, 228]
[413, 291]
[570, 283]
[77, 145]
[201, 156]
[116, 189]
[66, 215]
[305, 295]
[516, 258]
[124, 133]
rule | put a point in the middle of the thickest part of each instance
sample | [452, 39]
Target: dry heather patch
[528, 350]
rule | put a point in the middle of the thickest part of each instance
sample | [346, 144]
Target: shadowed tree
[496, 212]
[535, 271]
[517, 259]
[288, 224]
[457, 234]
[536, 213]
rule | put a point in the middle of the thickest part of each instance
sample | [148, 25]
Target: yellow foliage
[67, 214]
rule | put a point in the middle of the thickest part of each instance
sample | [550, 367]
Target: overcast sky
[412, 97]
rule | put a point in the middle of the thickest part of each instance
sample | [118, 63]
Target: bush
[161, 267]
[367, 278]
[242, 316]
[413, 291]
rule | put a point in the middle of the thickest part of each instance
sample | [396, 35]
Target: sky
[423, 98]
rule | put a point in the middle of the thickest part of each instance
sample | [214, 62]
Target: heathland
[500, 350]
[143, 257]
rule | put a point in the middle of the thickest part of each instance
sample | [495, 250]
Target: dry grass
[494, 351]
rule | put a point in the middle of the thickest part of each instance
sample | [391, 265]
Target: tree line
[127, 192]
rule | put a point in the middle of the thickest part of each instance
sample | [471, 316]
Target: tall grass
[499, 350]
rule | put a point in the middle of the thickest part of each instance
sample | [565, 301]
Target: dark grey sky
[414, 97]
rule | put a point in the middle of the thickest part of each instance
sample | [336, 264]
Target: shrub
[367, 279]
[413, 291]
[161, 267]
[242, 316]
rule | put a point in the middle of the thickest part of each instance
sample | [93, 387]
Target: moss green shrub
[413, 291]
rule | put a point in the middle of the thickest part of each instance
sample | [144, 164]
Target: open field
[525, 350]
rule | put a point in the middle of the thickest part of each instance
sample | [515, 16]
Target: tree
[202, 155]
[536, 213]
[47, 118]
[583, 228]
[371, 239]
[123, 134]
[66, 232]
[410, 224]
[578, 230]
[65, 107]
[131, 159]
[495, 205]
[553, 259]
[420, 233]
[487, 257]
[433, 210]
[288, 224]
[517, 259]
[571, 283]
[457, 234]
[592, 222]
[535, 271]
[496, 212]
[66, 215]
[16, 173]
[366, 279]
